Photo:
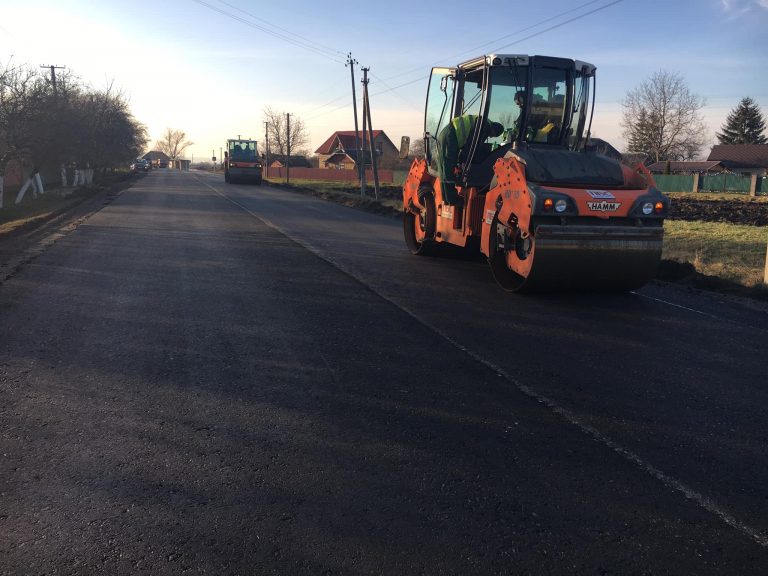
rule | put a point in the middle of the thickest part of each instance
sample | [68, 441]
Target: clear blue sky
[210, 67]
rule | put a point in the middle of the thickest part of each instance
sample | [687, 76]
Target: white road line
[681, 306]
[700, 312]
[706, 503]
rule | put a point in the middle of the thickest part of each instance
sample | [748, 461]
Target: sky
[211, 67]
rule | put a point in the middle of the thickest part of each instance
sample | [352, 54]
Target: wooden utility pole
[53, 68]
[359, 161]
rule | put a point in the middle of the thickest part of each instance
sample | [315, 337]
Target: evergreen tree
[744, 125]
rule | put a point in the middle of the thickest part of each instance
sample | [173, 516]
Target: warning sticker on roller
[601, 194]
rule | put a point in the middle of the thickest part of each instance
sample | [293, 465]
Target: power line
[300, 37]
[326, 52]
[305, 44]
[579, 17]
[474, 50]
[390, 89]
[598, 9]
[532, 26]
[311, 110]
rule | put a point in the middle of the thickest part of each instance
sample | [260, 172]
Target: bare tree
[417, 147]
[661, 119]
[279, 139]
[72, 123]
[173, 143]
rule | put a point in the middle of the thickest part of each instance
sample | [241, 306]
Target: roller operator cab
[508, 170]
[242, 162]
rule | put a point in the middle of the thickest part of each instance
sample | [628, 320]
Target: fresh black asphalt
[213, 379]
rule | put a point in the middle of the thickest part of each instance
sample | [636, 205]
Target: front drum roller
[499, 245]
[568, 258]
[419, 224]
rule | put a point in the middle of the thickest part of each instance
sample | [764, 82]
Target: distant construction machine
[508, 170]
[242, 162]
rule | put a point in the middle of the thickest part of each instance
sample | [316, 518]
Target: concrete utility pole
[53, 75]
[367, 118]
[266, 151]
[288, 148]
[359, 162]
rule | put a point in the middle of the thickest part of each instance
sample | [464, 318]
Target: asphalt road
[204, 378]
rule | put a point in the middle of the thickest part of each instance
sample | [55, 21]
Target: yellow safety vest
[463, 126]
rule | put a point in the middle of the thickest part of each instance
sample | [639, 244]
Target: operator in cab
[454, 140]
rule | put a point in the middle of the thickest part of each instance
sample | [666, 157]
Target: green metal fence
[725, 183]
[674, 182]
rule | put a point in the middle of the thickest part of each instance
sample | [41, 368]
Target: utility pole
[359, 162]
[361, 154]
[288, 148]
[266, 153]
[53, 68]
[367, 116]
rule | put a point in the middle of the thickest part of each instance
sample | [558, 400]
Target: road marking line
[700, 312]
[704, 502]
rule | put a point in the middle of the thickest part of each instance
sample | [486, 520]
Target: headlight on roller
[647, 208]
[561, 205]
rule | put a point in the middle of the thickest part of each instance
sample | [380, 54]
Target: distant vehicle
[140, 165]
[242, 162]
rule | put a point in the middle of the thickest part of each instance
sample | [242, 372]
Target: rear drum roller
[419, 226]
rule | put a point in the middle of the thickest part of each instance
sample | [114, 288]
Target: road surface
[204, 378]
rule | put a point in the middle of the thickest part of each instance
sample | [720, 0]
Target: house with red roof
[340, 151]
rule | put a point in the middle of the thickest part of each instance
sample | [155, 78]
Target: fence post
[695, 182]
[753, 185]
[765, 272]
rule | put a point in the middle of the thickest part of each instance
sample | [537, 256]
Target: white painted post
[75, 178]
[27, 184]
[63, 176]
[765, 273]
[39, 184]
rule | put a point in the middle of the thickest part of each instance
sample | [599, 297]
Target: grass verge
[36, 210]
[727, 257]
